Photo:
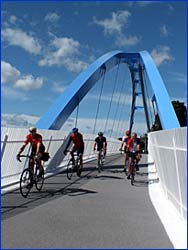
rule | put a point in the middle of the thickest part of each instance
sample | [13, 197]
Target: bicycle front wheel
[69, 170]
[39, 180]
[26, 182]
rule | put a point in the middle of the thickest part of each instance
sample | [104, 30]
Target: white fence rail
[168, 149]
[12, 139]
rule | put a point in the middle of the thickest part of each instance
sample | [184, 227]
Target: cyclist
[37, 149]
[78, 146]
[133, 146]
[100, 142]
[124, 147]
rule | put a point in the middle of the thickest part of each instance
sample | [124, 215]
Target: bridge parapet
[168, 150]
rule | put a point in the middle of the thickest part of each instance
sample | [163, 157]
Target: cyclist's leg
[80, 152]
[129, 166]
[137, 161]
[72, 150]
[125, 161]
[39, 162]
[98, 157]
[31, 167]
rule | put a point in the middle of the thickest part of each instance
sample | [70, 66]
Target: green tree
[181, 113]
[144, 143]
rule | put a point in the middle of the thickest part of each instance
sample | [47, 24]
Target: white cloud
[52, 17]
[115, 24]
[11, 75]
[161, 55]
[65, 51]
[58, 88]
[115, 27]
[13, 19]
[18, 121]
[20, 38]
[28, 82]
[123, 40]
[13, 94]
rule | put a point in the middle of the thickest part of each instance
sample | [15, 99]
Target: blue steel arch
[58, 113]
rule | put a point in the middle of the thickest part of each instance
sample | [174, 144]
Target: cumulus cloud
[28, 82]
[123, 40]
[52, 17]
[115, 26]
[64, 51]
[19, 38]
[10, 75]
[161, 55]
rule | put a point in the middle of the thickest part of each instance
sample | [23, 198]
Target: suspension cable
[117, 107]
[106, 123]
[102, 85]
[123, 103]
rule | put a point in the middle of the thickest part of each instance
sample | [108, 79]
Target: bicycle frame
[28, 178]
[73, 165]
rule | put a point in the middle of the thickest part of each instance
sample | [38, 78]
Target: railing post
[4, 145]
[178, 178]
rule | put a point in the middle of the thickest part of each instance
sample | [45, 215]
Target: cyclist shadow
[106, 177]
[145, 183]
[78, 191]
[71, 192]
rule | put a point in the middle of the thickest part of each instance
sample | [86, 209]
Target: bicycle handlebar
[26, 156]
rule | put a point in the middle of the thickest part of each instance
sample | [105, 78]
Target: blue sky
[45, 45]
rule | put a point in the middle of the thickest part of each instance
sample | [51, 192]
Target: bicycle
[125, 163]
[100, 160]
[133, 167]
[27, 178]
[73, 165]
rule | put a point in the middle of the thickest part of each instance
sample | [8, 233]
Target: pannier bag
[45, 156]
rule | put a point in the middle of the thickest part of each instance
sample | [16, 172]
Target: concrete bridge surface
[98, 210]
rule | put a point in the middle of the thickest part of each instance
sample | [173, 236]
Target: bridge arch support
[62, 108]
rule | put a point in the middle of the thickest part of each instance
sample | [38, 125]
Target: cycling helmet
[127, 132]
[75, 130]
[100, 134]
[32, 129]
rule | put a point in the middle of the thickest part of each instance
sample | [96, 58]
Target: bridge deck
[96, 211]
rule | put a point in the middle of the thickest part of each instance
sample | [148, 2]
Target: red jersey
[33, 140]
[77, 140]
[132, 145]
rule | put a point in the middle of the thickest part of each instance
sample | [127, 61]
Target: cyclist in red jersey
[78, 145]
[37, 149]
[133, 146]
[124, 148]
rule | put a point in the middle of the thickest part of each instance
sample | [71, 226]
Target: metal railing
[54, 141]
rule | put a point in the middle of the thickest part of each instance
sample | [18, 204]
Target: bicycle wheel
[69, 170]
[39, 180]
[26, 182]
